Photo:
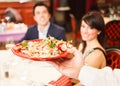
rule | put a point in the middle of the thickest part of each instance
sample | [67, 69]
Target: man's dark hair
[41, 4]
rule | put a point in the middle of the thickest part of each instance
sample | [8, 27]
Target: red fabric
[89, 3]
[62, 81]
[73, 23]
[113, 59]
[113, 33]
[113, 30]
[56, 4]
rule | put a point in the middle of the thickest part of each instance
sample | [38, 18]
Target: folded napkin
[62, 81]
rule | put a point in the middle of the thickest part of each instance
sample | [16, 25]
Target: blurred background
[15, 18]
[58, 7]
[66, 13]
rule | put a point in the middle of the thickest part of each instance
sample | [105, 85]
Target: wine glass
[24, 76]
[3, 25]
[9, 43]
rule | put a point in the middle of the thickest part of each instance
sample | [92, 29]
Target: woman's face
[87, 33]
[41, 15]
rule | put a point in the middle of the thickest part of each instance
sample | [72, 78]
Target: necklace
[87, 53]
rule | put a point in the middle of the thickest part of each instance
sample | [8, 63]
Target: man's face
[41, 15]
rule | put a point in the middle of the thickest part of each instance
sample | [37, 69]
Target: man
[44, 27]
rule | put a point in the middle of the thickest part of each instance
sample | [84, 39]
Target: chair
[73, 22]
[112, 30]
[113, 57]
[77, 35]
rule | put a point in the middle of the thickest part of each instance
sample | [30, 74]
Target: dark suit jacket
[54, 31]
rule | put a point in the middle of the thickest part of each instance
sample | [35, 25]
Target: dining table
[18, 71]
[14, 31]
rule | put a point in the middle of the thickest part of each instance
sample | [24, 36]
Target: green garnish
[51, 45]
[24, 43]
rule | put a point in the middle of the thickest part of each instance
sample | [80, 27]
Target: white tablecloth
[16, 32]
[24, 72]
[15, 36]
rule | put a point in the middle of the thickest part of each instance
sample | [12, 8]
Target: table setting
[23, 65]
[17, 71]
[12, 30]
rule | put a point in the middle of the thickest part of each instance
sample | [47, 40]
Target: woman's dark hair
[95, 20]
[41, 4]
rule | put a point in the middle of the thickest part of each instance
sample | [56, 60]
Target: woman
[90, 68]
[93, 34]
[91, 51]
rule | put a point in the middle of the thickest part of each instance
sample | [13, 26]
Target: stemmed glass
[9, 43]
[3, 25]
[25, 77]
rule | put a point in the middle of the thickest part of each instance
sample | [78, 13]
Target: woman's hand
[70, 67]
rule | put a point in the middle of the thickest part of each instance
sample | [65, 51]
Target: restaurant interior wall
[25, 10]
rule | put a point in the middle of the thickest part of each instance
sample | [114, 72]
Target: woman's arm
[70, 67]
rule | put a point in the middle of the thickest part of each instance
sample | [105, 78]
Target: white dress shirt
[43, 34]
[90, 76]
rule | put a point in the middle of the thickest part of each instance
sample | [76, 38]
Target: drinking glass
[9, 43]
[5, 68]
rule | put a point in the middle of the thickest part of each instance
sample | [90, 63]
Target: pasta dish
[48, 47]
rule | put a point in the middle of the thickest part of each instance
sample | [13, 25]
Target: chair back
[113, 57]
[113, 34]
[77, 35]
[73, 22]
